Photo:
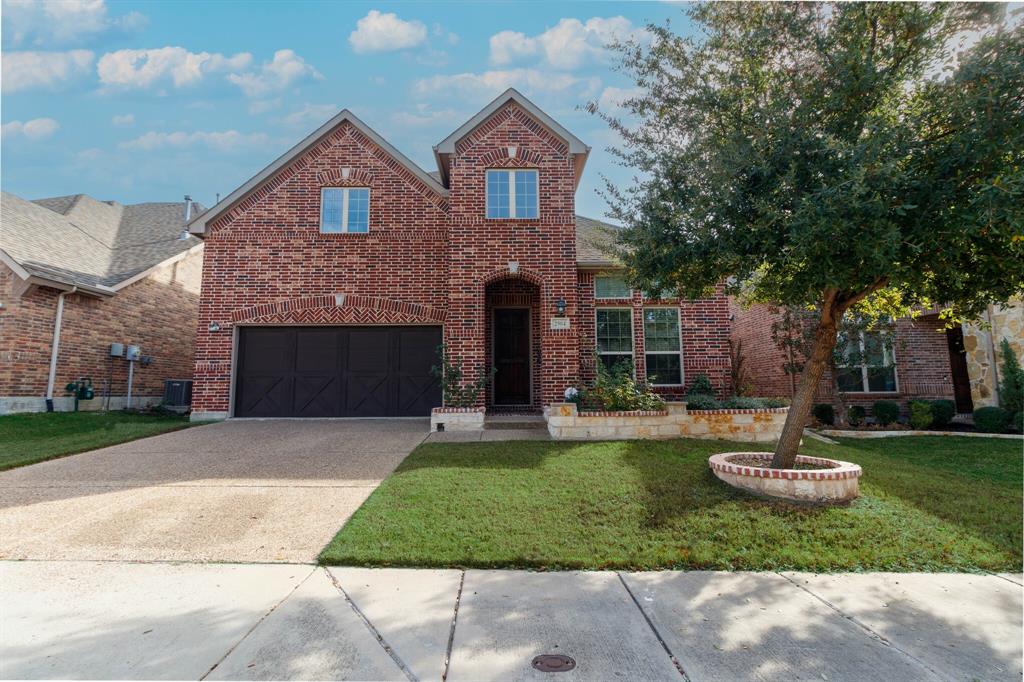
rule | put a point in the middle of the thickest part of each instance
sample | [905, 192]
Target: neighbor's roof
[79, 241]
[593, 241]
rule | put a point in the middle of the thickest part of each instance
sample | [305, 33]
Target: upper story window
[512, 194]
[345, 209]
[611, 287]
[868, 365]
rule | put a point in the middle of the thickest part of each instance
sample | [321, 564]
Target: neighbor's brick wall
[269, 249]
[157, 313]
[704, 328]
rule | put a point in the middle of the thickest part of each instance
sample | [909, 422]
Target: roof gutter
[55, 347]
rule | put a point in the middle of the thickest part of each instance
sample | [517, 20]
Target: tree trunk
[803, 399]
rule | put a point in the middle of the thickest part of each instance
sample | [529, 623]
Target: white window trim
[344, 210]
[679, 330]
[632, 342]
[863, 366]
[628, 296]
[511, 192]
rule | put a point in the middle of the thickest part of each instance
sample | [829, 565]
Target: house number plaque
[559, 322]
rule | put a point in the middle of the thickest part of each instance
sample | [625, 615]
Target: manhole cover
[553, 663]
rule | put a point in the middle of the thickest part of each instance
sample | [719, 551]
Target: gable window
[512, 194]
[868, 366]
[614, 335]
[611, 287]
[662, 348]
[345, 209]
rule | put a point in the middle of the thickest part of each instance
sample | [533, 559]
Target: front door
[512, 356]
[958, 370]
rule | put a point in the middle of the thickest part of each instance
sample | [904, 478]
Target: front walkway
[231, 621]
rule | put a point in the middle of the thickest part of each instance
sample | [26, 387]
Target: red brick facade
[157, 313]
[427, 259]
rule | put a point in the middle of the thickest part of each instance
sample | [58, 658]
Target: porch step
[493, 422]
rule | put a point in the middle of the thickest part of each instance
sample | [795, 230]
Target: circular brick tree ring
[834, 484]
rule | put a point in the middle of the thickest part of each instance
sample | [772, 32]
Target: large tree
[827, 156]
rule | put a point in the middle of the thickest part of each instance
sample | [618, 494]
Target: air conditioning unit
[177, 394]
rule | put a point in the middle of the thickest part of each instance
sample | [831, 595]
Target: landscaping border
[843, 433]
[839, 483]
[566, 422]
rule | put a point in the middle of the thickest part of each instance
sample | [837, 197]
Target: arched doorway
[512, 314]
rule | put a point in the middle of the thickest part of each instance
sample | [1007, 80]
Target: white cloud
[494, 82]
[611, 99]
[570, 44]
[35, 129]
[49, 22]
[146, 67]
[223, 141]
[377, 32]
[27, 70]
[310, 115]
[123, 120]
[284, 69]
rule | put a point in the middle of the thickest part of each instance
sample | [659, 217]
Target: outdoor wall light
[214, 327]
[560, 306]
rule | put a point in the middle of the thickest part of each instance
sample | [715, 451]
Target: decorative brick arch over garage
[339, 309]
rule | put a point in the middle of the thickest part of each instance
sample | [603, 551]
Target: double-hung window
[662, 350]
[345, 209]
[606, 286]
[868, 365]
[615, 336]
[512, 194]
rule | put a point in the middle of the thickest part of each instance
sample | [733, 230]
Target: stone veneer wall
[565, 422]
[980, 343]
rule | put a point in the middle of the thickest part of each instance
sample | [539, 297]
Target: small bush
[776, 402]
[1017, 423]
[616, 390]
[943, 412]
[855, 415]
[739, 402]
[885, 411]
[920, 414]
[702, 402]
[1011, 390]
[824, 413]
[701, 386]
[991, 419]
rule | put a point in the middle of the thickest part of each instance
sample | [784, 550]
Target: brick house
[77, 275]
[331, 277]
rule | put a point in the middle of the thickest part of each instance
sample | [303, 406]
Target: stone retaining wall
[566, 422]
[457, 419]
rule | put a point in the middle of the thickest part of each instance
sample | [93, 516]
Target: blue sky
[148, 101]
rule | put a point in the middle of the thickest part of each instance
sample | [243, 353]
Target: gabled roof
[447, 146]
[594, 240]
[198, 224]
[99, 246]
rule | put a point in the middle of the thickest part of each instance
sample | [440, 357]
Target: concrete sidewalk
[296, 621]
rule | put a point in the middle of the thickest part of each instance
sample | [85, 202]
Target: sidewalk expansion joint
[373, 630]
[1003, 577]
[653, 627]
[451, 630]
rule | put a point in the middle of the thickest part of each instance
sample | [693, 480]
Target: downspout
[55, 347]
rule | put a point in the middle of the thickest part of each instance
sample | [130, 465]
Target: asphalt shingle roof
[593, 238]
[78, 240]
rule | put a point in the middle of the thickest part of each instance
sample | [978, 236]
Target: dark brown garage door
[337, 371]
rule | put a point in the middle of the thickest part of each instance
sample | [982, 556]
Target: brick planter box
[823, 486]
[566, 422]
[457, 419]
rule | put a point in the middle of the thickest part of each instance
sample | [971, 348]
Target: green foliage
[920, 414]
[701, 386]
[885, 411]
[1017, 422]
[825, 414]
[943, 412]
[855, 415]
[702, 401]
[1011, 390]
[455, 390]
[991, 419]
[776, 402]
[616, 389]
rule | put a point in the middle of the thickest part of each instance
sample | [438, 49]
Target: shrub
[943, 412]
[920, 414]
[739, 402]
[454, 392]
[616, 390]
[1011, 390]
[991, 419]
[701, 386]
[824, 413]
[1017, 423]
[855, 415]
[702, 402]
[776, 402]
[885, 411]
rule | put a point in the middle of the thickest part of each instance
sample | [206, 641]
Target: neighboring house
[920, 360]
[77, 275]
[332, 276]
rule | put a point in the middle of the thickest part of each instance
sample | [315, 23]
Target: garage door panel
[267, 351]
[265, 396]
[369, 351]
[318, 350]
[368, 395]
[316, 396]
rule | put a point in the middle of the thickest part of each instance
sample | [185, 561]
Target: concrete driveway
[244, 491]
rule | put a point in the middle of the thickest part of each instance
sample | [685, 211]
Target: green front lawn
[928, 504]
[30, 438]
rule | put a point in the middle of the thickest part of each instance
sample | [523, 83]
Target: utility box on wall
[134, 353]
[117, 350]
